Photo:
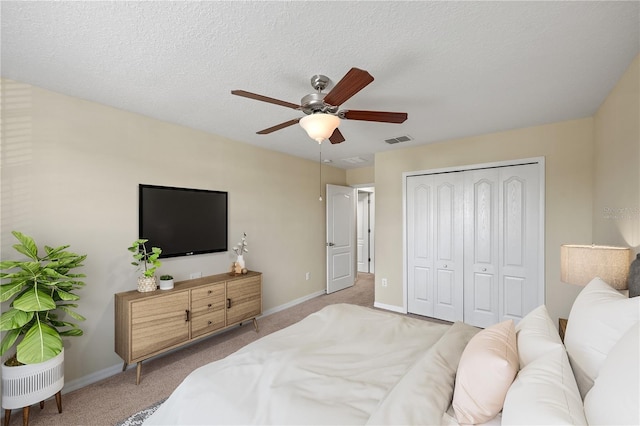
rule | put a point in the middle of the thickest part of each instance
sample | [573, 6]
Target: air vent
[354, 160]
[399, 139]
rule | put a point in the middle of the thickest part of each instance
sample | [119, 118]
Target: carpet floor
[115, 399]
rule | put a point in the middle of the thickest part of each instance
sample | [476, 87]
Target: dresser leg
[138, 371]
[255, 324]
[124, 367]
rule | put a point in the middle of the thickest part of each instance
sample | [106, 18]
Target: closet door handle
[228, 303]
[187, 315]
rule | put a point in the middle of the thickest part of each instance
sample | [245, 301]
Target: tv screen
[183, 221]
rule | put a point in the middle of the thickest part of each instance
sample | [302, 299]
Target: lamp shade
[579, 264]
[320, 126]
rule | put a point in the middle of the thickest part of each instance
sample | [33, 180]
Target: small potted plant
[40, 289]
[166, 282]
[147, 260]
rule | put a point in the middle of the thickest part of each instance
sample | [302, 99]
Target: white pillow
[487, 368]
[599, 316]
[614, 397]
[536, 335]
[544, 393]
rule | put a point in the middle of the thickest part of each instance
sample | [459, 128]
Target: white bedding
[345, 364]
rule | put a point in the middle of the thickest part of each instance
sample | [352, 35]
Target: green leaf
[9, 290]
[40, 343]
[8, 264]
[72, 332]
[14, 318]
[8, 340]
[71, 313]
[34, 300]
[67, 296]
[27, 246]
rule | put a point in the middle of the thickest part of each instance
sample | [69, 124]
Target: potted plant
[40, 290]
[166, 282]
[147, 260]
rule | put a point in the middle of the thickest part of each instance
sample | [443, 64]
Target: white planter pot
[166, 284]
[25, 385]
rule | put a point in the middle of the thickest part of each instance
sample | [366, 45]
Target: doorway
[365, 238]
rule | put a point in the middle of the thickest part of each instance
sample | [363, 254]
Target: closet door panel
[520, 241]
[420, 245]
[481, 290]
[449, 254]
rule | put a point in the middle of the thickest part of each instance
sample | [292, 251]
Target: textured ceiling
[457, 68]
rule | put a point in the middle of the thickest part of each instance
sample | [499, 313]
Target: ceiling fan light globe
[319, 126]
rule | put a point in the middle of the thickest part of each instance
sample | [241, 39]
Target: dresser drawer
[208, 298]
[206, 323]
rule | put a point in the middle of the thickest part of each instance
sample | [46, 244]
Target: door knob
[330, 244]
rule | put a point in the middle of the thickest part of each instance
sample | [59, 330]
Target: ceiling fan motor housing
[314, 102]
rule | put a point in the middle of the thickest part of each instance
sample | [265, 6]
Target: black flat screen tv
[183, 221]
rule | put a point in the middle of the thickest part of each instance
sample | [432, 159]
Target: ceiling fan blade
[354, 81]
[278, 126]
[264, 99]
[336, 137]
[380, 116]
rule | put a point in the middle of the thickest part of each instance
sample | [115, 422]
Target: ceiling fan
[322, 109]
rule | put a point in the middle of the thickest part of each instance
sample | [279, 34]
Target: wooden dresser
[148, 324]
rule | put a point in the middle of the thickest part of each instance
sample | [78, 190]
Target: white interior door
[341, 237]
[363, 233]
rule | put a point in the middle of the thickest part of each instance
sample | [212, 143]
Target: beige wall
[568, 151]
[361, 176]
[70, 175]
[616, 206]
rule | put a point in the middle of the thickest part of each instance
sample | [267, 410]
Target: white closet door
[448, 250]
[419, 202]
[474, 244]
[482, 264]
[435, 245]
[520, 236]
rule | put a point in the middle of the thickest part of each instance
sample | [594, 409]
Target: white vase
[240, 261]
[25, 385]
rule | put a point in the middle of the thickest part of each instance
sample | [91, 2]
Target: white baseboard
[92, 378]
[115, 369]
[292, 303]
[392, 308]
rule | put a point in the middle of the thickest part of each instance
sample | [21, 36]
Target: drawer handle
[210, 322]
[187, 315]
[209, 305]
[209, 292]
[228, 303]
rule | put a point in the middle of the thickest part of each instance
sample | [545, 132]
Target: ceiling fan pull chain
[320, 163]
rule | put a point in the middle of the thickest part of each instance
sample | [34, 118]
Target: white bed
[348, 364]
